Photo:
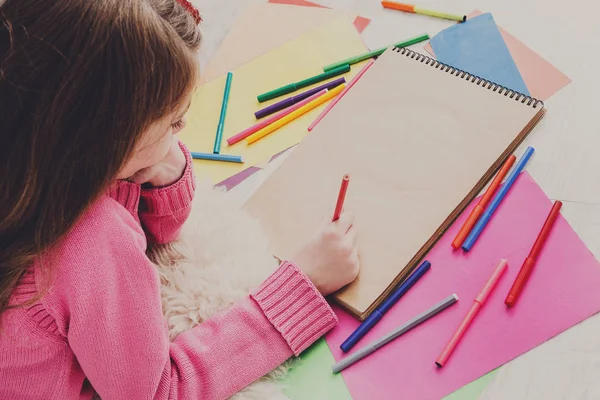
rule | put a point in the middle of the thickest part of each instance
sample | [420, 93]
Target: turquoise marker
[219, 138]
[217, 157]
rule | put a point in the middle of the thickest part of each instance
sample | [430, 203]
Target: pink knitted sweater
[100, 326]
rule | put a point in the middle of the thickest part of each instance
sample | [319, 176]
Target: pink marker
[255, 128]
[338, 98]
[464, 325]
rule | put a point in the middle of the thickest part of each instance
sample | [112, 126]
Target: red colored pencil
[340, 201]
[523, 276]
[480, 207]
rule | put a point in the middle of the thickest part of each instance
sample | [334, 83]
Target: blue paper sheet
[476, 46]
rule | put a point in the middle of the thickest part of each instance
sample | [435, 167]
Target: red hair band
[191, 9]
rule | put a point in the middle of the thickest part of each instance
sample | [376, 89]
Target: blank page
[419, 141]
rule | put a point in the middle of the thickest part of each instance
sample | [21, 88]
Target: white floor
[566, 164]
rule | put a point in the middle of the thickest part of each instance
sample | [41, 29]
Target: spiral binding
[517, 96]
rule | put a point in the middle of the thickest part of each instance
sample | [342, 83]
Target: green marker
[375, 53]
[292, 87]
[219, 137]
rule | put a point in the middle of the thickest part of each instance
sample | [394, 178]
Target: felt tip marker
[376, 316]
[477, 304]
[528, 264]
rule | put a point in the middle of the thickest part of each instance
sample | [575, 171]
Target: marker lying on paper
[416, 321]
[480, 207]
[375, 53]
[296, 114]
[418, 10]
[477, 304]
[339, 206]
[335, 101]
[219, 136]
[489, 212]
[292, 87]
[376, 316]
[525, 271]
[268, 121]
[290, 101]
[217, 157]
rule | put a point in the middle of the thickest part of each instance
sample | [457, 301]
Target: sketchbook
[420, 140]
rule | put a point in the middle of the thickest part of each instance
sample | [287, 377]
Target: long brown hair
[80, 81]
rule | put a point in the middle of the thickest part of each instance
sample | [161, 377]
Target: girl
[92, 93]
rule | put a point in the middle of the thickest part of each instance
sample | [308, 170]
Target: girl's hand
[164, 173]
[330, 259]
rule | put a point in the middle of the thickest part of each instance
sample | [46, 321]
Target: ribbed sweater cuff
[173, 198]
[295, 307]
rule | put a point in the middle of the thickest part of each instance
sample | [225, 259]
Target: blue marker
[217, 157]
[376, 316]
[489, 212]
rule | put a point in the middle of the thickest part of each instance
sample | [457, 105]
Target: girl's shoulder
[106, 246]
[107, 236]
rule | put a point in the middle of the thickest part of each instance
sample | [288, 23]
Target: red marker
[480, 207]
[477, 304]
[340, 201]
[523, 276]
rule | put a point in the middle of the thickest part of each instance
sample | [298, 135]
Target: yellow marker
[298, 113]
[422, 11]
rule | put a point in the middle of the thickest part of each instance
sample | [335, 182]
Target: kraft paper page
[418, 143]
[296, 60]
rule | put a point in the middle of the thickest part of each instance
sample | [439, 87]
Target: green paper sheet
[312, 379]
[474, 389]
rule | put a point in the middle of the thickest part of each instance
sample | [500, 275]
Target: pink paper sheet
[563, 290]
[541, 78]
[360, 22]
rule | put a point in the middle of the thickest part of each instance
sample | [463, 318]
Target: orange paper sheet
[541, 78]
[360, 22]
[301, 3]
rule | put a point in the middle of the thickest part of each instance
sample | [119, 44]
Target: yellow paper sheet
[262, 28]
[296, 60]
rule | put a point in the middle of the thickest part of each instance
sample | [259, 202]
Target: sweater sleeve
[164, 210]
[115, 327]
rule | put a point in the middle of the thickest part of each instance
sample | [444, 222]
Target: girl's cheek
[160, 150]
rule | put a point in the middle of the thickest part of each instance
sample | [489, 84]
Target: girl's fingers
[345, 222]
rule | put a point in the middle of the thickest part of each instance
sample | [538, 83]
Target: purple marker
[273, 108]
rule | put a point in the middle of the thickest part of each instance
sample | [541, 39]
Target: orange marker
[341, 197]
[392, 5]
[418, 10]
[480, 207]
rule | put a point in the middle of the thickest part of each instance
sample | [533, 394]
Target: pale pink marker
[255, 128]
[338, 98]
[477, 304]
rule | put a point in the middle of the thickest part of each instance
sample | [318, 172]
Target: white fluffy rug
[222, 255]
